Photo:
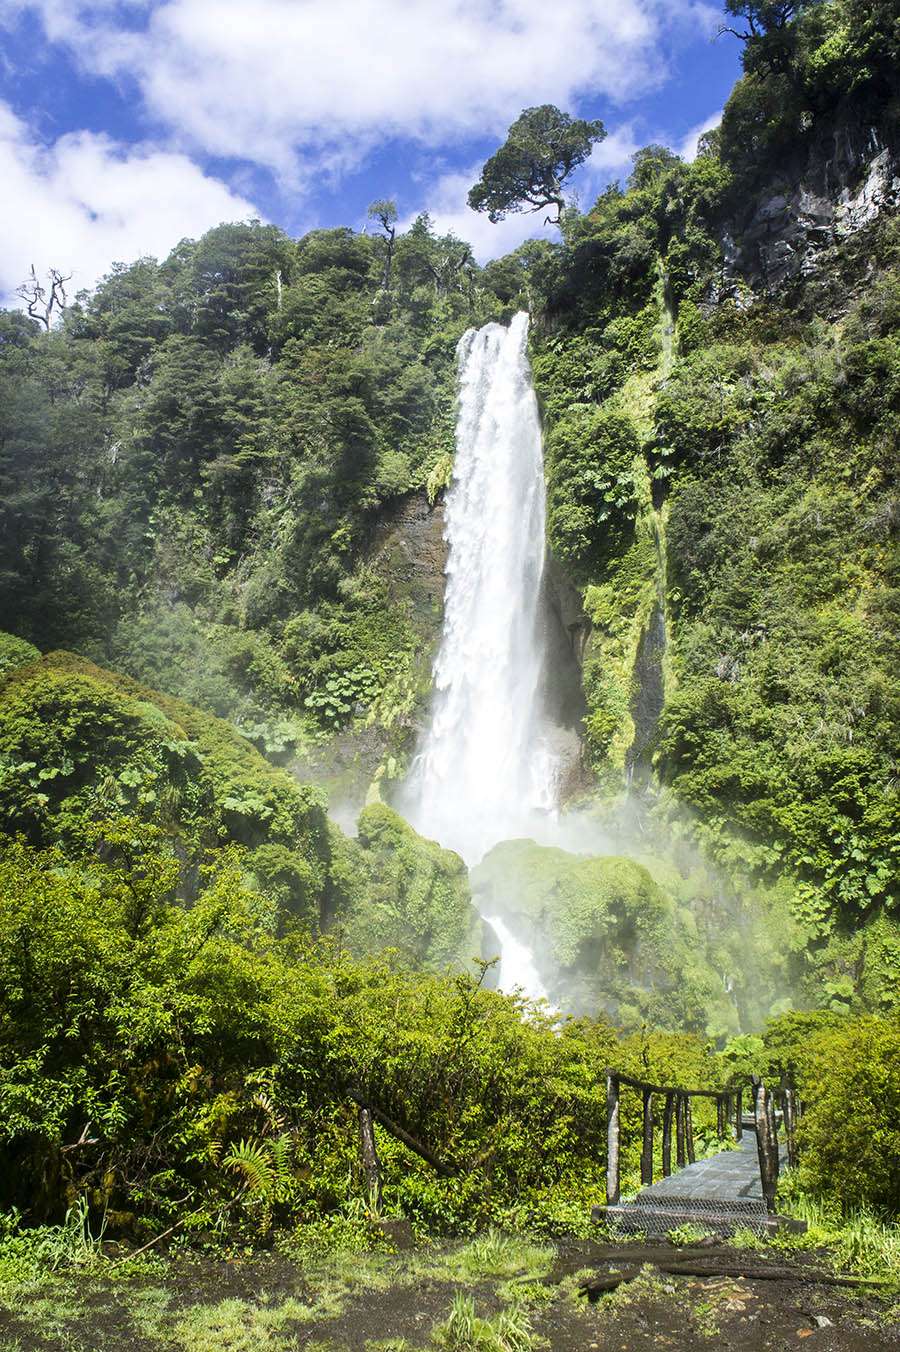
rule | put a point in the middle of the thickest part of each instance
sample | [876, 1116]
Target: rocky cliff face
[847, 179]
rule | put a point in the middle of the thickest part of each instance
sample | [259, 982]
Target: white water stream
[485, 771]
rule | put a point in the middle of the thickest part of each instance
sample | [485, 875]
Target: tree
[384, 212]
[760, 16]
[528, 172]
[767, 30]
[39, 302]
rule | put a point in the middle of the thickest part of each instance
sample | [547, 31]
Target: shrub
[850, 1133]
[15, 652]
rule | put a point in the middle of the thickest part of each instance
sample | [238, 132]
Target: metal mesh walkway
[719, 1194]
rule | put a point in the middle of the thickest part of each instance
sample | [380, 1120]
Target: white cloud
[85, 202]
[687, 148]
[610, 158]
[299, 83]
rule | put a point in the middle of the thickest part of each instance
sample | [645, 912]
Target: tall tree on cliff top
[542, 148]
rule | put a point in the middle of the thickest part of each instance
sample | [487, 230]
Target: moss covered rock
[604, 934]
[414, 895]
[79, 745]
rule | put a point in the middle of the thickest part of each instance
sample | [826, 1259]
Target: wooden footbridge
[734, 1188]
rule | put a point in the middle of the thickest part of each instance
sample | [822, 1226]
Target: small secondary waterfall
[517, 965]
[485, 771]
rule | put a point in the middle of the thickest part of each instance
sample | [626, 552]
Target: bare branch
[38, 303]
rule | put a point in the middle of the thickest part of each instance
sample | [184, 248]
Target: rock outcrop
[844, 184]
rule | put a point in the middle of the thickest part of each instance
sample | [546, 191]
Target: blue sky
[126, 125]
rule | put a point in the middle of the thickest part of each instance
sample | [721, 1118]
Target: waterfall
[485, 770]
[518, 970]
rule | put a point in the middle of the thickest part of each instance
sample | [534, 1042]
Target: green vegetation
[542, 148]
[658, 939]
[238, 414]
[722, 485]
[209, 473]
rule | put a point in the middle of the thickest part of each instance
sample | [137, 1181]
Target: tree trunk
[612, 1140]
[368, 1156]
[681, 1158]
[647, 1148]
[667, 1135]
[766, 1143]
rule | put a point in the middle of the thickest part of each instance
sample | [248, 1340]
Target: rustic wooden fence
[677, 1112]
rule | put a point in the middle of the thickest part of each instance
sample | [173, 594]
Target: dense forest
[221, 485]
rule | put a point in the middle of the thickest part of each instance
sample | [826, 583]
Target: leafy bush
[152, 1054]
[590, 484]
[850, 1132]
[79, 743]
[15, 652]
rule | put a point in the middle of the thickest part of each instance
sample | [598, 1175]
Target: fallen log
[813, 1276]
[601, 1285]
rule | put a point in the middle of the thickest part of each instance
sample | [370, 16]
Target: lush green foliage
[200, 469]
[657, 940]
[819, 55]
[722, 482]
[183, 1062]
[79, 744]
[850, 1133]
[191, 463]
[414, 896]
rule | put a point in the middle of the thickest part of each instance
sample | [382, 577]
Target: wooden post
[789, 1117]
[689, 1128]
[647, 1149]
[612, 1140]
[772, 1127]
[766, 1142]
[680, 1156]
[720, 1116]
[368, 1156]
[668, 1113]
[739, 1115]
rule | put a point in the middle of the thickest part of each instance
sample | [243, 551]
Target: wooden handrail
[677, 1101]
[676, 1088]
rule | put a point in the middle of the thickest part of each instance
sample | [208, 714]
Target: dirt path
[398, 1304]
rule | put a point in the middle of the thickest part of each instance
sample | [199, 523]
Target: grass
[488, 1294]
[29, 1255]
[466, 1331]
[240, 1326]
[687, 1234]
[497, 1255]
[860, 1241]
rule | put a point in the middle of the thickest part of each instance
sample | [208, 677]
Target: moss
[414, 896]
[605, 934]
[80, 743]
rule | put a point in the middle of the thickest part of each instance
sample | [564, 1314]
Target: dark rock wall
[845, 181]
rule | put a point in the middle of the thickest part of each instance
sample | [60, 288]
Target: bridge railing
[677, 1114]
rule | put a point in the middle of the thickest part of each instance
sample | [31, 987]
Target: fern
[280, 1154]
[263, 1101]
[252, 1161]
[439, 477]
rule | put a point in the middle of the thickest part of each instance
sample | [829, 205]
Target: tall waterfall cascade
[485, 770]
